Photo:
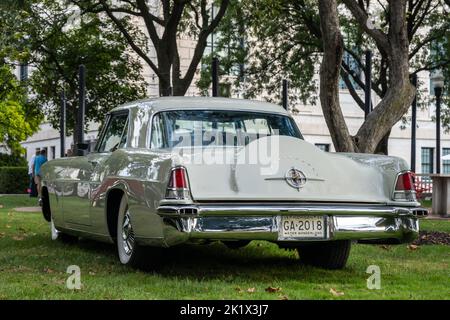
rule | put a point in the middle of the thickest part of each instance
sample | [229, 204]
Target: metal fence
[423, 185]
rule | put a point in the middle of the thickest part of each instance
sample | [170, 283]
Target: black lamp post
[437, 81]
[413, 126]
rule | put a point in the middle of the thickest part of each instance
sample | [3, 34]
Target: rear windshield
[172, 129]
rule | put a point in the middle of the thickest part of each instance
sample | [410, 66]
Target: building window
[53, 152]
[23, 72]
[215, 47]
[445, 163]
[427, 160]
[323, 146]
[354, 67]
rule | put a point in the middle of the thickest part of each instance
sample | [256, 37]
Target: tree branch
[351, 89]
[361, 17]
[148, 20]
[129, 38]
[202, 40]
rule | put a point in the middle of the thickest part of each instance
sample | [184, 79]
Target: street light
[437, 81]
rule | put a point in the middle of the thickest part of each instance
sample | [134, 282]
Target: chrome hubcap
[127, 234]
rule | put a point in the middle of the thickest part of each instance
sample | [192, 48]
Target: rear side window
[115, 134]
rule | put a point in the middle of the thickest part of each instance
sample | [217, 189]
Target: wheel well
[112, 210]
[46, 212]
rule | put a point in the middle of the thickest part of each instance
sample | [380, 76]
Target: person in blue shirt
[38, 162]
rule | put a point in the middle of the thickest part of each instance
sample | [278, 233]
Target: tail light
[178, 187]
[404, 187]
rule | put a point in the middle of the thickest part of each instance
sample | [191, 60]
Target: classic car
[174, 170]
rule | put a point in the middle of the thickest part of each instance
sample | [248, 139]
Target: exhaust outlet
[420, 213]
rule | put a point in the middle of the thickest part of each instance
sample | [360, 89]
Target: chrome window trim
[149, 138]
[109, 115]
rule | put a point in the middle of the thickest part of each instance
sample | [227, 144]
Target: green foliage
[229, 47]
[275, 48]
[283, 41]
[55, 39]
[14, 180]
[18, 119]
[8, 160]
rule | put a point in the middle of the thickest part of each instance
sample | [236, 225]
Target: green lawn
[34, 267]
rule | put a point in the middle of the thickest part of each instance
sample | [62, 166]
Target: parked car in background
[173, 170]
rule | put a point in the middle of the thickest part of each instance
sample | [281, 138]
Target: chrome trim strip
[286, 209]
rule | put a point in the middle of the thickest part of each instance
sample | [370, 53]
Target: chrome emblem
[295, 178]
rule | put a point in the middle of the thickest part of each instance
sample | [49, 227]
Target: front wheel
[129, 251]
[328, 255]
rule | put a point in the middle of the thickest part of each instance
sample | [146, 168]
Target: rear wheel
[328, 255]
[129, 251]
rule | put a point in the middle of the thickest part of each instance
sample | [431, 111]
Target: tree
[55, 41]
[286, 41]
[17, 119]
[164, 23]
[333, 50]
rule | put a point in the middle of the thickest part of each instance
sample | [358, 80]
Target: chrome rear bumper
[380, 224]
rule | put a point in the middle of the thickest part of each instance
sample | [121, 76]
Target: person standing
[33, 189]
[38, 162]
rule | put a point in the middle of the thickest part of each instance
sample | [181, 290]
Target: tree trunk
[329, 76]
[383, 145]
[400, 92]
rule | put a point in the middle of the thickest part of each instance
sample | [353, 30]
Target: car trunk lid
[257, 173]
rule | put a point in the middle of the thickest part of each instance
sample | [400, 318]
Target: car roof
[202, 103]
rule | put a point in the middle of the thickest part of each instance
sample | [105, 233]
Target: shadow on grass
[256, 262]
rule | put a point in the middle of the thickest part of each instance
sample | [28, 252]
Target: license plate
[302, 227]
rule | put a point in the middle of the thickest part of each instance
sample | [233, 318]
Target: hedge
[14, 180]
[8, 160]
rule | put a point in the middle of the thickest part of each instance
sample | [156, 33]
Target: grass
[426, 203]
[34, 267]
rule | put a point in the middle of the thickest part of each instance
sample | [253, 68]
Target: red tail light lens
[404, 187]
[405, 181]
[178, 178]
[178, 186]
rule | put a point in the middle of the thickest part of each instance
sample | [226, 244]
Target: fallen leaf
[8, 226]
[251, 290]
[59, 281]
[91, 273]
[238, 289]
[385, 247]
[412, 247]
[283, 297]
[1, 206]
[336, 293]
[2, 234]
[272, 289]
[48, 270]
[18, 238]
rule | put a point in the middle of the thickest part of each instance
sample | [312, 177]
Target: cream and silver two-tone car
[176, 170]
